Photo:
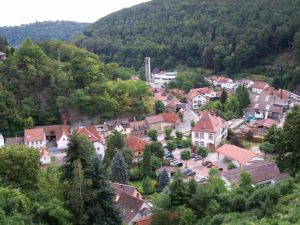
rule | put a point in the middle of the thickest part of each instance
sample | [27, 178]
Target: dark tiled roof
[261, 171]
[14, 141]
[119, 188]
[113, 123]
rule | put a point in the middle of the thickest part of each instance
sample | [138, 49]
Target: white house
[210, 131]
[246, 83]
[94, 137]
[45, 158]
[1, 141]
[259, 86]
[199, 96]
[35, 138]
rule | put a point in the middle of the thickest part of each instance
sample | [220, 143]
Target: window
[210, 136]
[98, 148]
[41, 142]
[64, 139]
[195, 101]
[197, 143]
[201, 135]
[201, 143]
[196, 135]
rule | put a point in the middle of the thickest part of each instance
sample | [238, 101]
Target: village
[181, 126]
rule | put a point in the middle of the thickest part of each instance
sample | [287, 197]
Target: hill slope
[215, 34]
[61, 30]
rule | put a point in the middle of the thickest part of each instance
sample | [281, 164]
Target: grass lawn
[139, 184]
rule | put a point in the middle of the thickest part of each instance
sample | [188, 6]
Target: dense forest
[54, 82]
[219, 35]
[39, 31]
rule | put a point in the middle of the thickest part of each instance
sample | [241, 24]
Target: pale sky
[16, 12]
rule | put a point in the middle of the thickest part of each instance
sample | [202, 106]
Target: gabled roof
[91, 133]
[136, 143]
[57, 130]
[129, 206]
[209, 122]
[159, 97]
[260, 170]
[111, 124]
[119, 188]
[170, 117]
[245, 81]
[260, 85]
[285, 94]
[35, 134]
[139, 125]
[266, 123]
[14, 141]
[240, 155]
[154, 119]
[199, 91]
[44, 152]
[143, 221]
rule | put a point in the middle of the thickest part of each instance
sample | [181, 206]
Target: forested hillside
[220, 35]
[39, 31]
[56, 82]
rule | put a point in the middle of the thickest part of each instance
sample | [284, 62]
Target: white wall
[36, 144]
[216, 139]
[63, 142]
[45, 160]
[1, 141]
[100, 149]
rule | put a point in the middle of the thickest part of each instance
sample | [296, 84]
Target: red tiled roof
[119, 188]
[260, 85]
[170, 117]
[266, 123]
[138, 125]
[178, 92]
[57, 130]
[208, 122]
[240, 155]
[159, 97]
[285, 94]
[92, 134]
[136, 143]
[14, 141]
[154, 119]
[44, 152]
[143, 221]
[199, 91]
[36, 134]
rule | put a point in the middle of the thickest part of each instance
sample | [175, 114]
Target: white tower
[148, 69]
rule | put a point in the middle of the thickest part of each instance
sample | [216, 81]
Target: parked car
[193, 155]
[179, 164]
[186, 170]
[201, 179]
[206, 163]
[197, 157]
[211, 165]
[179, 146]
[174, 163]
[221, 169]
[191, 173]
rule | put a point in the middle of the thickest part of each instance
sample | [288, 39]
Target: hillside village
[181, 121]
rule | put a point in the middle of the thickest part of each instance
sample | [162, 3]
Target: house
[136, 144]
[259, 86]
[246, 83]
[35, 138]
[178, 93]
[210, 131]
[163, 77]
[143, 221]
[45, 158]
[199, 96]
[171, 119]
[266, 124]
[57, 134]
[1, 141]
[94, 137]
[139, 128]
[130, 190]
[2, 56]
[120, 125]
[239, 156]
[14, 141]
[160, 97]
[132, 208]
[262, 172]
[156, 122]
[224, 82]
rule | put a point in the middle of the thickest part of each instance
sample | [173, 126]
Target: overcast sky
[16, 12]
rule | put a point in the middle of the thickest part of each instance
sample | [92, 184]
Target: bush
[136, 174]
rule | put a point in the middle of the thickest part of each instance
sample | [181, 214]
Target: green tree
[119, 169]
[288, 145]
[19, 167]
[101, 206]
[171, 145]
[152, 134]
[179, 137]
[187, 216]
[147, 186]
[128, 156]
[266, 147]
[178, 191]
[115, 142]
[187, 143]
[163, 179]
[28, 123]
[246, 183]
[203, 152]
[273, 134]
[223, 98]
[168, 132]
[185, 155]
[79, 148]
[146, 162]
[156, 149]
[159, 107]
[242, 95]
[193, 123]
[231, 166]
